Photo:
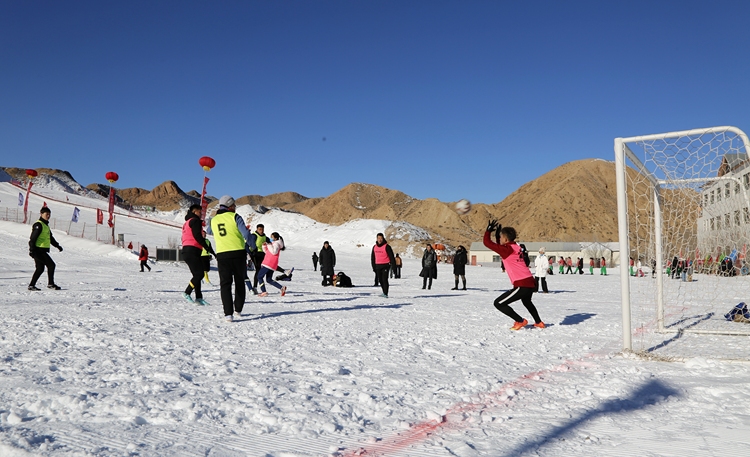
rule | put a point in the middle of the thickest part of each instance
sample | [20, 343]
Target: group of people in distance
[233, 238]
[567, 266]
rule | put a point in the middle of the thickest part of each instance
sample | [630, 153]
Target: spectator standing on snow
[569, 263]
[327, 258]
[397, 270]
[270, 263]
[429, 267]
[382, 259]
[230, 236]
[591, 265]
[193, 243]
[580, 265]
[603, 269]
[561, 264]
[39, 243]
[518, 273]
[459, 266]
[143, 257]
[540, 265]
[315, 261]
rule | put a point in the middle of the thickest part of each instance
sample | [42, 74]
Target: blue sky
[443, 99]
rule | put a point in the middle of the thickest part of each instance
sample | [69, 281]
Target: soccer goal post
[683, 202]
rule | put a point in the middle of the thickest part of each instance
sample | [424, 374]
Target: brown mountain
[167, 196]
[574, 202]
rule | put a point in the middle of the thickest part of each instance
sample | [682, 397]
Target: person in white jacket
[541, 264]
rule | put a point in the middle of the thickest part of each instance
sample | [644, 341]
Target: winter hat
[226, 201]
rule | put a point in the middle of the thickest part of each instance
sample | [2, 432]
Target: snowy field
[118, 364]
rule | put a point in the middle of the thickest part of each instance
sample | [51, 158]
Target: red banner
[26, 203]
[204, 203]
[111, 206]
[99, 216]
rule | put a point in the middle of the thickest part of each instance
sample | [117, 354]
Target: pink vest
[518, 273]
[271, 260]
[381, 255]
[187, 235]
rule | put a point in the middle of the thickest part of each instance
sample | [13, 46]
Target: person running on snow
[143, 257]
[193, 243]
[272, 251]
[39, 242]
[518, 273]
[257, 240]
[382, 259]
[206, 259]
[230, 236]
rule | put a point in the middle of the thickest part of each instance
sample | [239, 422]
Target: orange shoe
[519, 325]
[540, 325]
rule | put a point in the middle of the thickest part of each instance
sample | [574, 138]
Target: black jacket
[36, 230]
[196, 227]
[459, 262]
[327, 259]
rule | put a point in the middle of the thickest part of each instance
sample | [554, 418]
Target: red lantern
[207, 163]
[112, 176]
[31, 173]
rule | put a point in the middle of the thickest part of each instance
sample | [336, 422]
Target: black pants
[542, 281]
[381, 274]
[192, 257]
[257, 261]
[397, 272]
[42, 259]
[569, 270]
[502, 303]
[427, 282]
[232, 269]
[315, 265]
[144, 264]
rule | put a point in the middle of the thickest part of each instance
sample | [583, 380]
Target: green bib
[226, 233]
[44, 237]
[205, 253]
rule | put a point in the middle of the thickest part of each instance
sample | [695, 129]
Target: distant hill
[574, 202]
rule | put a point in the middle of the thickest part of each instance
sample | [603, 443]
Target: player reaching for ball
[518, 273]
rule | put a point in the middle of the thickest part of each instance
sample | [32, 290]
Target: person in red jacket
[518, 273]
[143, 257]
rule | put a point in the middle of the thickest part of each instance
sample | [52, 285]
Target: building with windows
[724, 222]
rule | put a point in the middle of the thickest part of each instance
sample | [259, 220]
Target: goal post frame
[623, 153]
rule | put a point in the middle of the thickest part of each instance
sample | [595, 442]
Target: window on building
[495, 258]
[727, 190]
[727, 221]
[746, 214]
[746, 180]
[736, 188]
[713, 224]
[705, 200]
[718, 194]
[712, 197]
[737, 217]
[718, 223]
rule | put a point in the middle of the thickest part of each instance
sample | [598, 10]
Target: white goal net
[684, 217]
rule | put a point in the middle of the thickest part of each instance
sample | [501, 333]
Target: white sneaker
[237, 315]
[228, 318]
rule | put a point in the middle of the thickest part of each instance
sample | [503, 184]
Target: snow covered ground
[118, 363]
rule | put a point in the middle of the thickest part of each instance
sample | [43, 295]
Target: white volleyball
[463, 206]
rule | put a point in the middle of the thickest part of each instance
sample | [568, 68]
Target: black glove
[497, 233]
[492, 225]
[59, 248]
